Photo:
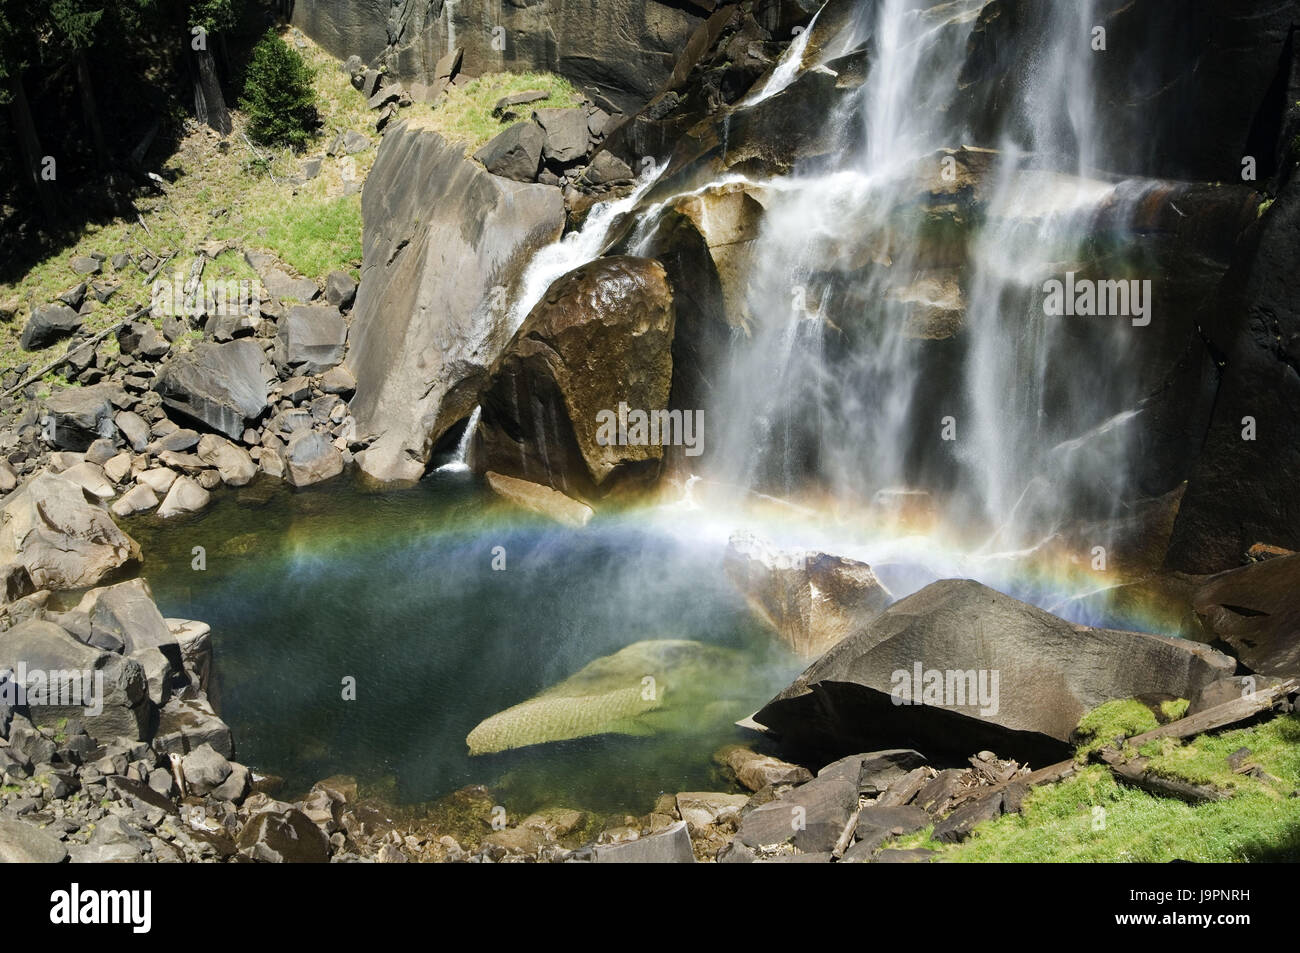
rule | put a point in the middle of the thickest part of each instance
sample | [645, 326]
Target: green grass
[314, 237]
[1105, 723]
[465, 112]
[1091, 817]
[311, 226]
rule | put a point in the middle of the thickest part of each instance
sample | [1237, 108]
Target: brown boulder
[813, 600]
[62, 539]
[599, 340]
[959, 667]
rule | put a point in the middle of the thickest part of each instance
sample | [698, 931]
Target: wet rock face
[429, 315]
[1256, 611]
[1160, 67]
[812, 600]
[1242, 488]
[601, 337]
[958, 665]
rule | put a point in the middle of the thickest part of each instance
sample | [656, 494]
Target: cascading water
[786, 68]
[896, 333]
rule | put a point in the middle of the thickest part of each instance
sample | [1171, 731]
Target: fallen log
[1220, 716]
[1135, 772]
[91, 342]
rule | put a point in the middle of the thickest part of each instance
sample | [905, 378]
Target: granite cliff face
[622, 50]
[443, 241]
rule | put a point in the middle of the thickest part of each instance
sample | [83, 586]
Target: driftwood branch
[1136, 772]
[148, 281]
[37, 375]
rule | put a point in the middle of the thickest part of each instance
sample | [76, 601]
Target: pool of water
[397, 590]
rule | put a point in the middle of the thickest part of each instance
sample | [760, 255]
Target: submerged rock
[961, 667]
[541, 500]
[813, 600]
[617, 694]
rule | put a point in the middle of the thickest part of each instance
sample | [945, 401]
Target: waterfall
[574, 249]
[896, 337]
[787, 67]
[459, 462]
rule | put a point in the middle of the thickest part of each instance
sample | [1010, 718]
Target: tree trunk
[91, 110]
[209, 103]
[30, 145]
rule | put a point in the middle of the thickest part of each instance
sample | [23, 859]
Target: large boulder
[567, 136]
[430, 314]
[1256, 611]
[311, 458]
[594, 352]
[288, 837]
[813, 600]
[232, 462]
[310, 339]
[515, 153]
[811, 818]
[128, 614]
[82, 415]
[225, 386]
[63, 540]
[23, 843]
[47, 324]
[959, 667]
[106, 692]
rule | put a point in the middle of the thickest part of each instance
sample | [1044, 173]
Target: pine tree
[278, 95]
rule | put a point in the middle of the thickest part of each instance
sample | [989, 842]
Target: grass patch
[311, 226]
[1117, 719]
[1091, 817]
[465, 112]
[313, 237]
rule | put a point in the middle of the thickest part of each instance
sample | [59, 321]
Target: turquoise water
[397, 590]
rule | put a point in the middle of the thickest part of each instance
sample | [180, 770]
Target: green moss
[465, 112]
[1106, 723]
[1173, 710]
